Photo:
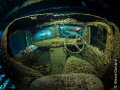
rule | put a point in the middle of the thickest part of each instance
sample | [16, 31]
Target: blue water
[2, 87]
[44, 33]
[1, 33]
[17, 41]
[64, 30]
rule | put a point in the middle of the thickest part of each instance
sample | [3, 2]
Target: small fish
[29, 49]
[79, 28]
[78, 39]
[43, 35]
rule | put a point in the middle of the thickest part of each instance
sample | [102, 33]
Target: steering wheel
[73, 42]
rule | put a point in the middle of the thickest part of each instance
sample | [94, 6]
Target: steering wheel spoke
[73, 43]
[77, 47]
[76, 36]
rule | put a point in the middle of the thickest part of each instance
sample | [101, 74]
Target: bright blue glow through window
[12, 87]
[1, 76]
[43, 34]
[68, 29]
[6, 82]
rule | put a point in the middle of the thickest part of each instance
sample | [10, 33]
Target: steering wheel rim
[74, 43]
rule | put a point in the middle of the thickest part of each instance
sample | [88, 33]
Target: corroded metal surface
[98, 59]
[72, 81]
[77, 65]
